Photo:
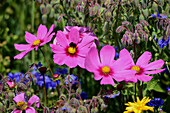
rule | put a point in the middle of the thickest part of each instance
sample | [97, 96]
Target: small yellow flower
[139, 106]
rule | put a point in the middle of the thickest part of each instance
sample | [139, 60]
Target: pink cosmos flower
[42, 38]
[10, 83]
[107, 68]
[71, 51]
[22, 105]
[142, 66]
[83, 32]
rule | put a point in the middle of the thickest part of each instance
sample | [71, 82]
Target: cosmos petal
[30, 110]
[144, 78]
[22, 47]
[107, 54]
[22, 55]
[107, 80]
[154, 65]
[74, 36]
[33, 99]
[42, 31]
[144, 59]
[154, 72]
[30, 38]
[20, 97]
[92, 60]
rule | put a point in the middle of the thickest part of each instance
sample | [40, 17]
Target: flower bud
[120, 29]
[78, 8]
[78, 91]
[138, 40]
[154, 6]
[132, 54]
[42, 8]
[106, 27]
[108, 15]
[123, 41]
[1, 106]
[56, 76]
[35, 80]
[103, 106]
[95, 9]
[38, 1]
[52, 12]
[146, 12]
[10, 83]
[52, 2]
[44, 18]
[91, 13]
[125, 23]
[32, 90]
[11, 95]
[42, 70]
[82, 9]
[28, 93]
[161, 2]
[48, 8]
[136, 34]
[119, 87]
[94, 110]
[59, 19]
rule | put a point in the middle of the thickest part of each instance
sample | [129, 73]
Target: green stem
[135, 92]
[51, 72]
[117, 18]
[46, 61]
[45, 93]
[32, 25]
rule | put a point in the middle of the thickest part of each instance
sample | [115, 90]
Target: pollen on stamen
[136, 68]
[36, 42]
[72, 50]
[20, 103]
[106, 70]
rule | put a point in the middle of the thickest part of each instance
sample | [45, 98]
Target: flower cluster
[121, 69]
[157, 102]
[139, 106]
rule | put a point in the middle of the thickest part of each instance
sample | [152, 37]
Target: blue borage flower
[16, 76]
[158, 15]
[72, 78]
[168, 88]
[39, 65]
[61, 71]
[162, 42]
[157, 102]
[83, 95]
[167, 68]
[112, 95]
[49, 84]
[65, 108]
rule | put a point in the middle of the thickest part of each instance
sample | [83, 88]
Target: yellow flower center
[36, 42]
[105, 69]
[21, 105]
[136, 68]
[72, 50]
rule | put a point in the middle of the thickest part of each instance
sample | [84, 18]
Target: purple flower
[159, 15]
[72, 78]
[61, 71]
[22, 105]
[38, 65]
[157, 102]
[112, 95]
[162, 42]
[49, 83]
[83, 95]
